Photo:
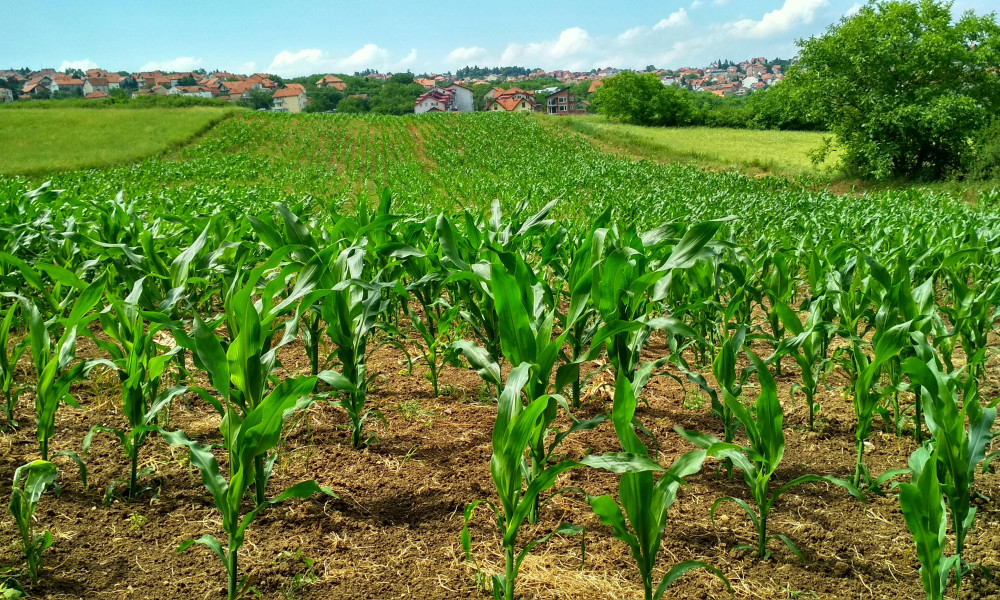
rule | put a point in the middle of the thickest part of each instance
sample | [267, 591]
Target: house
[520, 102]
[289, 100]
[514, 92]
[427, 83]
[6, 96]
[749, 82]
[96, 96]
[241, 90]
[434, 100]
[114, 81]
[464, 101]
[66, 85]
[95, 84]
[331, 81]
[194, 91]
[36, 85]
[594, 85]
[563, 103]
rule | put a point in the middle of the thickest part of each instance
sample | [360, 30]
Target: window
[562, 109]
[562, 100]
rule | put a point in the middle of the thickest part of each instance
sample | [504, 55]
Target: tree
[187, 80]
[642, 100]
[903, 86]
[323, 100]
[260, 100]
[396, 98]
[403, 78]
[352, 105]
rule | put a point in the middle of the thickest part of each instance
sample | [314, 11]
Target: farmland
[321, 339]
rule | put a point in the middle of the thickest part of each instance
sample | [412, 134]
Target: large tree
[903, 86]
[642, 100]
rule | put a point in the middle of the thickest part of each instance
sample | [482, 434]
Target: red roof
[287, 92]
[96, 96]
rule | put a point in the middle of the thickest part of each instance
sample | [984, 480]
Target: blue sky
[299, 37]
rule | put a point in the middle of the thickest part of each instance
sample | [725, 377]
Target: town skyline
[302, 39]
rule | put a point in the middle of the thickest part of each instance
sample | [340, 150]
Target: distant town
[506, 89]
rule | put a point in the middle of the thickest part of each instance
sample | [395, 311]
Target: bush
[986, 163]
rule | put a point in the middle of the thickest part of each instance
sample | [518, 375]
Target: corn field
[467, 356]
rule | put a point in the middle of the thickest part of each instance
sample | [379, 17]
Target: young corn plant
[10, 392]
[632, 278]
[248, 439]
[639, 515]
[53, 372]
[760, 458]
[515, 425]
[582, 320]
[527, 338]
[351, 309]
[958, 450]
[924, 512]
[30, 481]
[807, 346]
[244, 373]
[140, 364]
[777, 284]
[867, 393]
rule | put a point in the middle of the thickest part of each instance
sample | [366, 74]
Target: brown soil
[393, 530]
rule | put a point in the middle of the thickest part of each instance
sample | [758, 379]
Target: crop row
[896, 292]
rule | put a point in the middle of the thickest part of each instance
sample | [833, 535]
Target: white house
[6, 96]
[95, 84]
[749, 82]
[434, 100]
[462, 98]
[195, 91]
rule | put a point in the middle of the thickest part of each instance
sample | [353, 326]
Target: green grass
[780, 152]
[41, 141]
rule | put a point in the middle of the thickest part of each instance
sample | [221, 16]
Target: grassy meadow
[40, 141]
[780, 152]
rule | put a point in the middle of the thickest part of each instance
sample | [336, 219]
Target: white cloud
[791, 14]
[855, 9]
[313, 60]
[181, 63]
[465, 55]
[677, 19]
[408, 61]
[631, 34]
[82, 65]
[569, 50]
[696, 4]
[248, 67]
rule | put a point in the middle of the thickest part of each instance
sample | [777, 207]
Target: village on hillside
[513, 89]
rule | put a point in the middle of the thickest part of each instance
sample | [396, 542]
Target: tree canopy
[642, 100]
[904, 86]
